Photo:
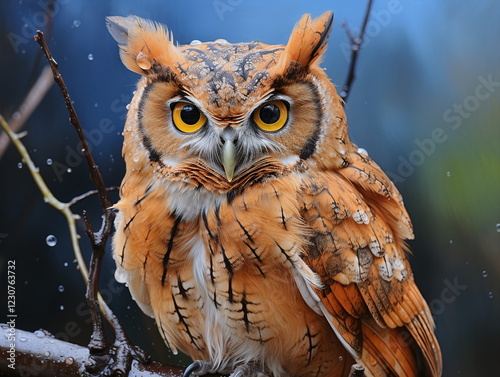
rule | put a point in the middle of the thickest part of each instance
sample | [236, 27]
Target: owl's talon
[198, 368]
[249, 370]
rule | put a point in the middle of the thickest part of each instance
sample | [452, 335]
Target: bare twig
[73, 119]
[356, 43]
[34, 97]
[78, 198]
[48, 197]
[64, 208]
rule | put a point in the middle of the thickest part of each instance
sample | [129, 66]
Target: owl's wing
[369, 295]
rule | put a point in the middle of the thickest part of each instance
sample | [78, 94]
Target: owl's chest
[242, 251]
[223, 275]
[234, 264]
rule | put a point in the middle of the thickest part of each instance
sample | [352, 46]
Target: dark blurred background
[425, 105]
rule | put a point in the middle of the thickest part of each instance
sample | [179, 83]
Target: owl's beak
[229, 153]
[229, 159]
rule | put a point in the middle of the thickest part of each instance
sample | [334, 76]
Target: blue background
[419, 106]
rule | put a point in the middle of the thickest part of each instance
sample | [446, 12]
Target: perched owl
[249, 226]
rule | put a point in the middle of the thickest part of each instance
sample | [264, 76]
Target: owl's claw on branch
[248, 370]
[201, 367]
[198, 368]
[117, 360]
[357, 370]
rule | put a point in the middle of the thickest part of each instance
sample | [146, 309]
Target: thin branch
[78, 198]
[30, 103]
[48, 197]
[124, 351]
[356, 43]
[73, 119]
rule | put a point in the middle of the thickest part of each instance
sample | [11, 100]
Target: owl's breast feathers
[269, 271]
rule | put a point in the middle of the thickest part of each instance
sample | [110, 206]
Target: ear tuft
[143, 43]
[307, 42]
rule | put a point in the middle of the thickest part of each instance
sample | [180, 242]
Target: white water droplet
[451, 241]
[61, 307]
[96, 104]
[47, 353]
[485, 274]
[69, 360]
[23, 339]
[363, 151]
[19, 165]
[51, 240]
[69, 170]
[61, 288]
[448, 174]
[65, 264]
[90, 57]
[39, 334]
[49, 161]
[77, 23]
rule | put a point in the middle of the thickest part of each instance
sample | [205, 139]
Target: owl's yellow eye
[271, 116]
[187, 117]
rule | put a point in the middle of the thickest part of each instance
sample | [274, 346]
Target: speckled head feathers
[147, 48]
[229, 84]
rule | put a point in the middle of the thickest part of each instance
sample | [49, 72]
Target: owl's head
[224, 115]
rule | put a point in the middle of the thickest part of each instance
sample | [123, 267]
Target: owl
[249, 226]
